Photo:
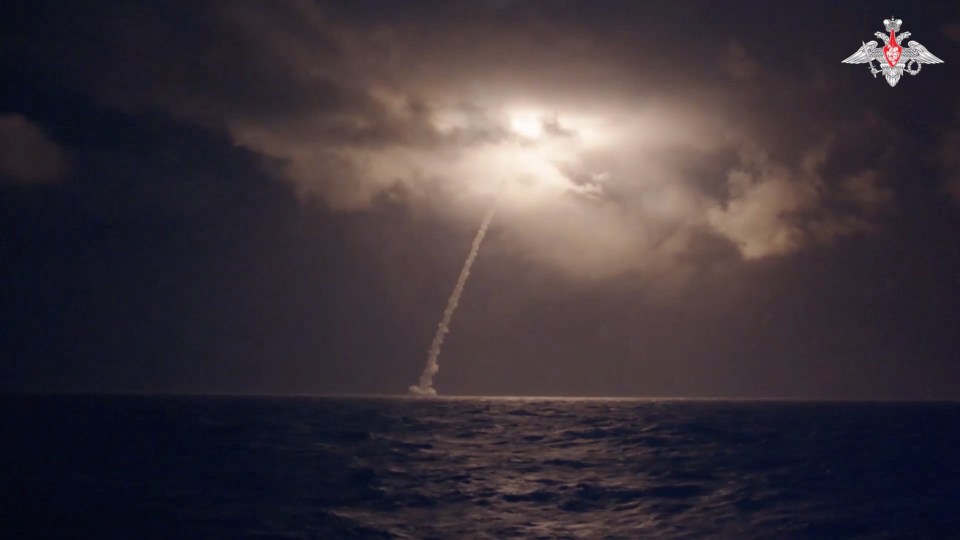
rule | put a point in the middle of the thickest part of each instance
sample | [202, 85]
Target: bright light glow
[528, 170]
[527, 124]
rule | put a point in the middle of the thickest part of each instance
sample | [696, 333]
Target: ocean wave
[480, 469]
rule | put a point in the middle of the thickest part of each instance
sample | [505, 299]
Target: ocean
[307, 467]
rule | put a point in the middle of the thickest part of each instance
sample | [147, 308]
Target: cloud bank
[617, 160]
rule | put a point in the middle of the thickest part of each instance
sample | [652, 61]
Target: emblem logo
[893, 60]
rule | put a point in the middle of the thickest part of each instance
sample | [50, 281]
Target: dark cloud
[952, 31]
[864, 190]
[949, 156]
[736, 62]
[27, 154]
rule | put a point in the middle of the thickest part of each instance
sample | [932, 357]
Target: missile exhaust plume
[425, 386]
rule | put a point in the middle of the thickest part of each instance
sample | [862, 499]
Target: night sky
[696, 198]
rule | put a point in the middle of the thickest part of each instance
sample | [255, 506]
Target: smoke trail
[425, 386]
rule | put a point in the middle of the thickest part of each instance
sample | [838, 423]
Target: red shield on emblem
[891, 51]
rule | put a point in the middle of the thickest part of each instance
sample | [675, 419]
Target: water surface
[218, 467]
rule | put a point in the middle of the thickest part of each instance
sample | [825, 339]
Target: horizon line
[441, 397]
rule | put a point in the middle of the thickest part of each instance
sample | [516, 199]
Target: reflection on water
[479, 468]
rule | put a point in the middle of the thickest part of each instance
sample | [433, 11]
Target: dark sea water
[217, 467]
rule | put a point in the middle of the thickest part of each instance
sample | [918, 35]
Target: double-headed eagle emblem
[893, 60]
